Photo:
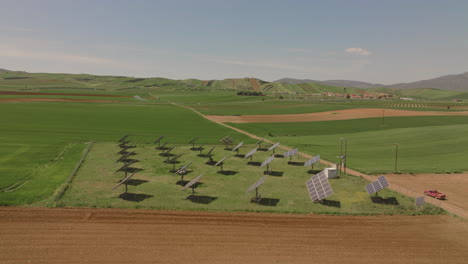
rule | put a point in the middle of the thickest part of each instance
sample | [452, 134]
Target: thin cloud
[12, 52]
[300, 50]
[358, 51]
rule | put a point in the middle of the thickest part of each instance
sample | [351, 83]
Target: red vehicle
[434, 193]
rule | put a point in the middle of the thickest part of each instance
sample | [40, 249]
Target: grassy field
[33, 135]
[426, 144]
[157, 188]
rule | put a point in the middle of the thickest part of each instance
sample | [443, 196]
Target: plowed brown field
[329, 115]
[39, 235]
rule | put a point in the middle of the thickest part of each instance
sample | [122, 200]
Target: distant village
[361, 95]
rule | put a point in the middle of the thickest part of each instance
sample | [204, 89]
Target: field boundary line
[448, 207]
[70, 178]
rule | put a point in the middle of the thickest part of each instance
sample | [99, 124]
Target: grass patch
[155, 187]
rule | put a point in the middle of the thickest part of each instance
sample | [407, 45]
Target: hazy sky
[375, 40]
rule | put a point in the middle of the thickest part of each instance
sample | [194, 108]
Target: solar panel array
[267, 161]
[419, 201]
[312, 161]
[221, 161]
[318, 186]
[376, 186]
[192, 182]
[256, 184]
[290, 153]
[253, 151]
[238, 146]
[273, 146]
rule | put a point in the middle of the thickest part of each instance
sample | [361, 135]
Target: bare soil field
[329, 115]
[453, 185]
[6, 100]
[41, 235]
[70, 94]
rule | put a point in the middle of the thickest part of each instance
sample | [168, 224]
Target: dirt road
[32, 235]
[330, 115]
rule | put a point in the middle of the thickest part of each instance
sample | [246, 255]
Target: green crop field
[426, 144]
[33, 136]
[156, 188]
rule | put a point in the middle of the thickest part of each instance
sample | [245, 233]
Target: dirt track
[330, 115]
[31, 235]
[6, 100]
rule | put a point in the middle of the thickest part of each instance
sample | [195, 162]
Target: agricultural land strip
[59, 235]
[330, 115]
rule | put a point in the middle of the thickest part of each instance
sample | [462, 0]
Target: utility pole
[344, 147]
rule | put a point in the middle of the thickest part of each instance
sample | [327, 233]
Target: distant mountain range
[3, 70]
[456, 82]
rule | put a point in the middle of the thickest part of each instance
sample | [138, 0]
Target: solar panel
[125, 156]
[122, 139]
[273, 147]
[169, 150]
[163, 145]
[211, 150]
[376, 186]
[318, 187]
[260, 141]
[419, 201]
[250, 153]
[183, 168]
[226, 140]
[221, 161]
[193, 140]
[192, 182]
[238, 146]
[312, 161]
[256, 184]
[123, 143]
[173, 159]
[124, 180]
[158, 139]
[128, 147]
[267, 161]
[290, 153]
